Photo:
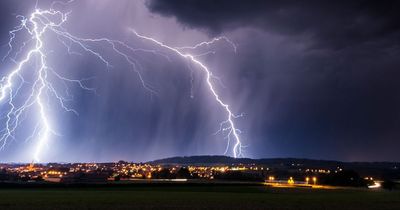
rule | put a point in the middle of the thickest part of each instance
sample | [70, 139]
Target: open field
[196, 197]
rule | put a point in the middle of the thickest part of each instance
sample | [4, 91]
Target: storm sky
[314, 79]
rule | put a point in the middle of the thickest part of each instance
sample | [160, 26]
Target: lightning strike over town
[199, 104]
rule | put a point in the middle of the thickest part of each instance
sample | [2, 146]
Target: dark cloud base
[333, 24]
[317, 79]
[338, 98]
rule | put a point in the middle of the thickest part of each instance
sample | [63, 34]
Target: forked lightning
[45, 22]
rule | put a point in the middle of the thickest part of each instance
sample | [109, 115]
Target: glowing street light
[314, 180]
[271, 178]
[290, 180]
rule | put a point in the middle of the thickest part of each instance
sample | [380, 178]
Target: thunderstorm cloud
[317, 74]
[314, 79]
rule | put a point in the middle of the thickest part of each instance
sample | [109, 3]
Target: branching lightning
[39, 24]
[226, 126]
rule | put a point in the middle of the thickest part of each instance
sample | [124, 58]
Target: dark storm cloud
[315, 79]
[334, 24]
[336, 96]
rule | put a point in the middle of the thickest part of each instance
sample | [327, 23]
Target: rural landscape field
[197, 197]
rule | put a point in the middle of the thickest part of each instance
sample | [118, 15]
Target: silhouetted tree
[388, 185]
[163, 174]
[39, 178]
[239, 176]
[344, 178]
[183, 173]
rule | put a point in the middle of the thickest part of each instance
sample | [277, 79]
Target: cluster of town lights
[291, 181]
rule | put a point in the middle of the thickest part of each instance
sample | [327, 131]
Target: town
[276, 174]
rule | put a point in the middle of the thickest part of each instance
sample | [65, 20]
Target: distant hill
[283, 162]
[219, 159]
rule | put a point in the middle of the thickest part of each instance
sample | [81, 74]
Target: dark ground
[195, 197]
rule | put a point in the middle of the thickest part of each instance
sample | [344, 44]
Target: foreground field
[196, 197]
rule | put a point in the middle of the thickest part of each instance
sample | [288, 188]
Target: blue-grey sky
[314, 80]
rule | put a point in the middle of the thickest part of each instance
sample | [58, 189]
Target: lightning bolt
[44, 22]
[227, 125]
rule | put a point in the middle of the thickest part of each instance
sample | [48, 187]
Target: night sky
[314, 79]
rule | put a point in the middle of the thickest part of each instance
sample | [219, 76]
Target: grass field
[196, 197]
